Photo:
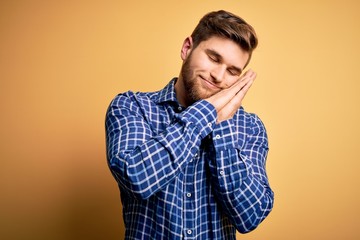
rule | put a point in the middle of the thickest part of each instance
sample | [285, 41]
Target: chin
[205, 95]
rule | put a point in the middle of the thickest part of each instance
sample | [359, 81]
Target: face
[213, 65]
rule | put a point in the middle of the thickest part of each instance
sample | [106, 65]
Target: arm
[238, 168]
[238, 173]
[143, 162]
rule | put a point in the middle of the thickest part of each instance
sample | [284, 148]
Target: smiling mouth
[209, 84]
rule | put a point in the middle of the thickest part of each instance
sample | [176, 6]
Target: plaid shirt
[181, 175]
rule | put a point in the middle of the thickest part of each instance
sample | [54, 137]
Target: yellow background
[61, 62]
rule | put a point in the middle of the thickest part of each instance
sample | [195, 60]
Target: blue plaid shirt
[181, 175]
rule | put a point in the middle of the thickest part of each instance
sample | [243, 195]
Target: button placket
[189, 205]
[194, 157]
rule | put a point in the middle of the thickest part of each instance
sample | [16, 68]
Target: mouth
[209, 84]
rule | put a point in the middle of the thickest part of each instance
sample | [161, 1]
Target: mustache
[211, 81]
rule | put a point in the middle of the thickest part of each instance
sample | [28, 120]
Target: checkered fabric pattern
[181, 175]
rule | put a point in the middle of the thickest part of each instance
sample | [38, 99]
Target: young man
[189, 161]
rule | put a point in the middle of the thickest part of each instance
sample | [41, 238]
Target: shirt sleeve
[238, 171]
[143, 162]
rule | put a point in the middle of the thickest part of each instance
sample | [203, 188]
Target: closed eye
[217, 58]
[234, 72]
[213, 58]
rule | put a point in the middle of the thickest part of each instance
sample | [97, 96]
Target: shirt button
[209, 124]
[217, 136]
[222, 172]
[189, 232]
[179, 108]
[188, 194]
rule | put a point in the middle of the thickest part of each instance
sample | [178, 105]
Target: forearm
[239, 177]
[247, 201]
[150, 166]
[146, 163]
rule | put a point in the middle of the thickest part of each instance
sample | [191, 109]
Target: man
[189, 161]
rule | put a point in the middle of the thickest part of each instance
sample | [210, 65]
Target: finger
[247, 74]
[227, 94]
[223, 97]
[244, 81]
[242, 92]
[229, 109]
[236, 101]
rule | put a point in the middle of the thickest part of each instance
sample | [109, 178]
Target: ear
[186, 48]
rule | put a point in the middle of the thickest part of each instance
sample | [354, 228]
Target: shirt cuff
[203, 115]
[224, 135]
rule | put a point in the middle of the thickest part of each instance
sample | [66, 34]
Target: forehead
[230, 51]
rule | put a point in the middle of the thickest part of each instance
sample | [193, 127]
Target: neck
[180, 91]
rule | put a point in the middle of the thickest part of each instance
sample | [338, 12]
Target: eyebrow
[218, 56]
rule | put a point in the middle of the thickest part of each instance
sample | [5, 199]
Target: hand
[228, 101]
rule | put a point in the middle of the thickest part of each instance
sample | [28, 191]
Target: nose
[218, 73]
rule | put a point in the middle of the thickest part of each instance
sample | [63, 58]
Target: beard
[192, 84]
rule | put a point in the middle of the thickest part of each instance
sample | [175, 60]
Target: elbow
[248, 226]
[263, 210]
[130, 183]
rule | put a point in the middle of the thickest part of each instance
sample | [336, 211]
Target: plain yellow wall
[61, 62]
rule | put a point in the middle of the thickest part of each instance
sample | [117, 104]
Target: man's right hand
[228, 101]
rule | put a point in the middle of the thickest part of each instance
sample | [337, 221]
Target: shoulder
[251, 120]
[132, 99]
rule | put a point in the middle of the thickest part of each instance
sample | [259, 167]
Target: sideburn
[192, 94]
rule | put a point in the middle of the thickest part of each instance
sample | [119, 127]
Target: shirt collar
[167, 94]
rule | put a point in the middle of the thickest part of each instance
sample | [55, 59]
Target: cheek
[201, 62]
[200, 66]
[231, 81]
